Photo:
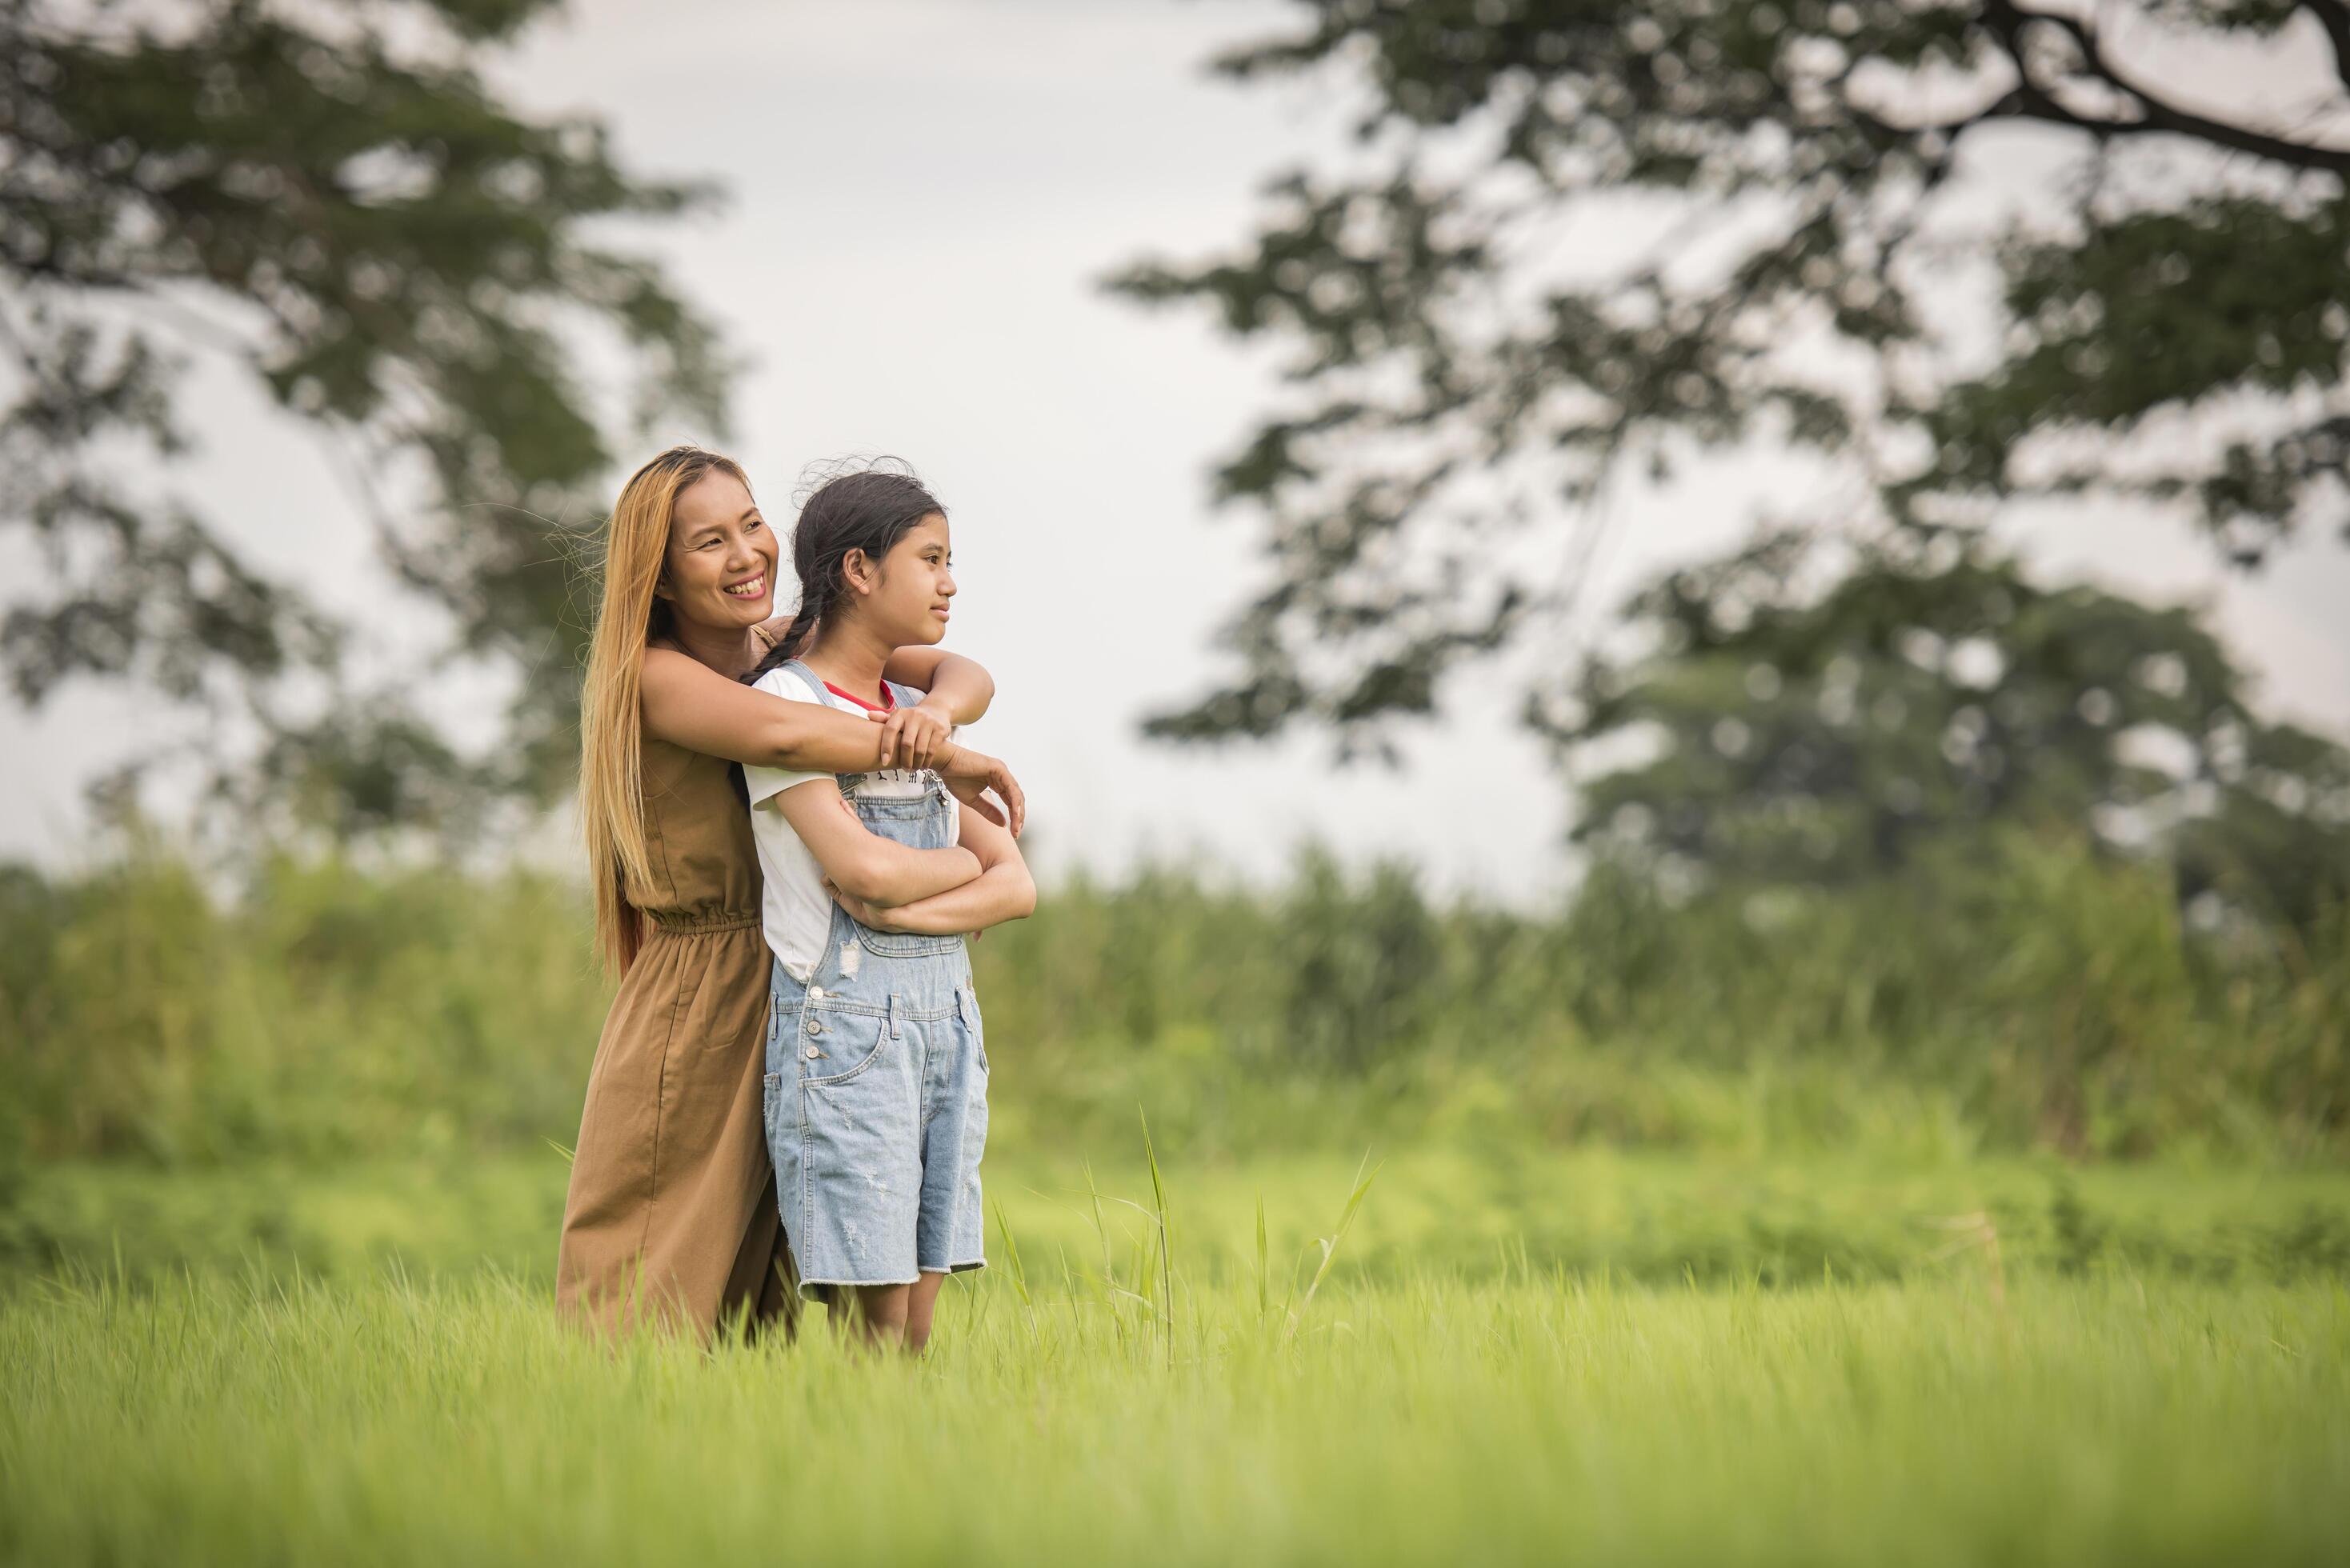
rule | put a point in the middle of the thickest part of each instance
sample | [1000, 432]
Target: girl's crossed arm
[1002, 891]
[880, 872]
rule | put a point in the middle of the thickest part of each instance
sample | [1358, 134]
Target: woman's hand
[910, 737]
[971, 774]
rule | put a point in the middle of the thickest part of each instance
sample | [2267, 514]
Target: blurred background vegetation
[1887, 843]
[342, 1065]
[2012, 994]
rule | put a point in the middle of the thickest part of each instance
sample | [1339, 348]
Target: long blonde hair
[611, 718]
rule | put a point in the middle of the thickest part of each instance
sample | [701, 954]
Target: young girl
[877, 1074]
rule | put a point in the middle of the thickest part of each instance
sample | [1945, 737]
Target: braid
[814, 602]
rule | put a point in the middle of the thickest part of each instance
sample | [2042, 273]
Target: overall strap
[818, 693]
[808, 677]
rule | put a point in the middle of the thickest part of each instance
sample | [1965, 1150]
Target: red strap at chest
[889, 699]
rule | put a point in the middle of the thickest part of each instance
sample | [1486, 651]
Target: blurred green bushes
[317, 1010]
[2026, 996]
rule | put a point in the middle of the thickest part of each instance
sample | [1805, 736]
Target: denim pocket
[856, 1037]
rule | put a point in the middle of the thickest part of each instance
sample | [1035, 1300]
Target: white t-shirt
[795, 910]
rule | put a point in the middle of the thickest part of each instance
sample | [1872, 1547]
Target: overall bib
[877, 1080]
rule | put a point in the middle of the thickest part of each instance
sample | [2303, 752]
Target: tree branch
[2008, 21]
[2008, 105]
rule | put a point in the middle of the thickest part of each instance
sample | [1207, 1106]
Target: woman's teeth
[751, 589]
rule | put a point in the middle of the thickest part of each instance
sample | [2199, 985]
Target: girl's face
[906, 601]
[719, 568]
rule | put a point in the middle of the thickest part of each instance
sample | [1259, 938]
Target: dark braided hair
[869, 510]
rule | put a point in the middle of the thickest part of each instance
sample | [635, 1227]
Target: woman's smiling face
[720, 570]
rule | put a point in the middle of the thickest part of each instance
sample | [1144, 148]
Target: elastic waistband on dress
[695, 925]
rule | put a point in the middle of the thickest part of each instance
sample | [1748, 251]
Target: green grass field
[1510, 1358]
[1991, 1220]
[1464, 1210]
[2113, 1420]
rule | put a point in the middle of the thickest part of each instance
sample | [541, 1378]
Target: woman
[671, 1215]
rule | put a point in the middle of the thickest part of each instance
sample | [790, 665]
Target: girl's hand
[911, 736]
[871, 916]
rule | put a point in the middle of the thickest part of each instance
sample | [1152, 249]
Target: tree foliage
[332, 201]
[1579, 234]
[1803, 713]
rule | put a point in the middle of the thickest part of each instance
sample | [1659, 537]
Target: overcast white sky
[923, 195]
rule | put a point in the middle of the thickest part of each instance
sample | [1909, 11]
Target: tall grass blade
[1166, 1241]
[1019, 1274]
[1264, 1265]
[1108, 1266]
[1330, 1243]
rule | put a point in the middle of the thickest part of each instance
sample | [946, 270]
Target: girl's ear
[857, 571]
[662, 590]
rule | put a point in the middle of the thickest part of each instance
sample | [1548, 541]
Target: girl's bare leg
[923, 1295]
[881, 1313]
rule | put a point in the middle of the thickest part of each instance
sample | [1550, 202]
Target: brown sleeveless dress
[672, 1215]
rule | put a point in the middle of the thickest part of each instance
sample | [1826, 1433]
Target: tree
[1476, 353]
[1810, 712]
[332, 199]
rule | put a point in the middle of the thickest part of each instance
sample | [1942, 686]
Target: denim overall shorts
[877, 1082]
